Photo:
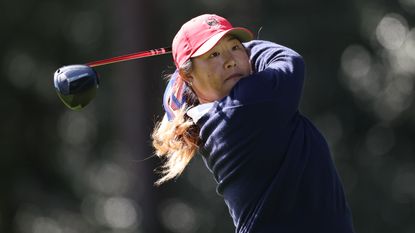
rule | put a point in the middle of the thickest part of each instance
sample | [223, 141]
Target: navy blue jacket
[272, 165]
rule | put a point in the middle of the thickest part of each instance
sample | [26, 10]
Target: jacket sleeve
[278, 76]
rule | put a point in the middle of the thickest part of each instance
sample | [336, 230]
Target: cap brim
[242, 34]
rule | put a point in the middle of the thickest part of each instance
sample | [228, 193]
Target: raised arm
[267, 55]
[278, 76]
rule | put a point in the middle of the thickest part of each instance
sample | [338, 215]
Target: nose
[230, 61]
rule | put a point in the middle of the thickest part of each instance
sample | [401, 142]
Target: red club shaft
[148, 53]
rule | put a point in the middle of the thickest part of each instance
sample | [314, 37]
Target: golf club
[76, 85]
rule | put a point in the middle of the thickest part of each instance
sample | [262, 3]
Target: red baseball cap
[200, 34]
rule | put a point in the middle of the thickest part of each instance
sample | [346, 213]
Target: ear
[186, 77]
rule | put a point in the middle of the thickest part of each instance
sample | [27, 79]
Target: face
[216, 72]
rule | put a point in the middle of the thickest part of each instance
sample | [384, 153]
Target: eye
[214, 54]
[236, 47]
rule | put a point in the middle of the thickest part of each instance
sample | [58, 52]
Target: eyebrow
[232, 38]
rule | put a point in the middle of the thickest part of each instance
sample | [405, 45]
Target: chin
[229, 86]
[233, 81]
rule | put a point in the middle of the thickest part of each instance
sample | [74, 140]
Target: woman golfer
[235, 101]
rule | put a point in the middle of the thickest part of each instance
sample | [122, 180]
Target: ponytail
[177, 141]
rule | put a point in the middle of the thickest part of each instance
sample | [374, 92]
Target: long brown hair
[176, 141]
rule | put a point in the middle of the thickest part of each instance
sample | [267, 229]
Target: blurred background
[91, 171]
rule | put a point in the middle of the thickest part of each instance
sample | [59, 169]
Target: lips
[233, 76]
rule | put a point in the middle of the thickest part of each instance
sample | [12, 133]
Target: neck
[203, 101]
[200, 97]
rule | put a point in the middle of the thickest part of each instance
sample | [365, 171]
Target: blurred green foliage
[92, 170]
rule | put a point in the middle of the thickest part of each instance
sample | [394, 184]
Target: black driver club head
[76, 85]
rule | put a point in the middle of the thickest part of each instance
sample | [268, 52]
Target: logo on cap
[212, 22]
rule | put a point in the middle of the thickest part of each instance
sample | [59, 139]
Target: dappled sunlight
[78, 128]
[332, 128]
[108, 178]
[32, 219]
[408, 5]
[391, 31]
[356, 61]
[121, 213]
[383, 76]
[84, 29]
[179, 217]
[113, 212]
[403, 184]
[380, 140]
[20, 68]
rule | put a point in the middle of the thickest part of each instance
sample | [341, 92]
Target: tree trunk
[132, 110]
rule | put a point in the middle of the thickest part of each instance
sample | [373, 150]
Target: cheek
[202, 82]
[247, 64]
[207, 77]
[210, 86]
[209, 82]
